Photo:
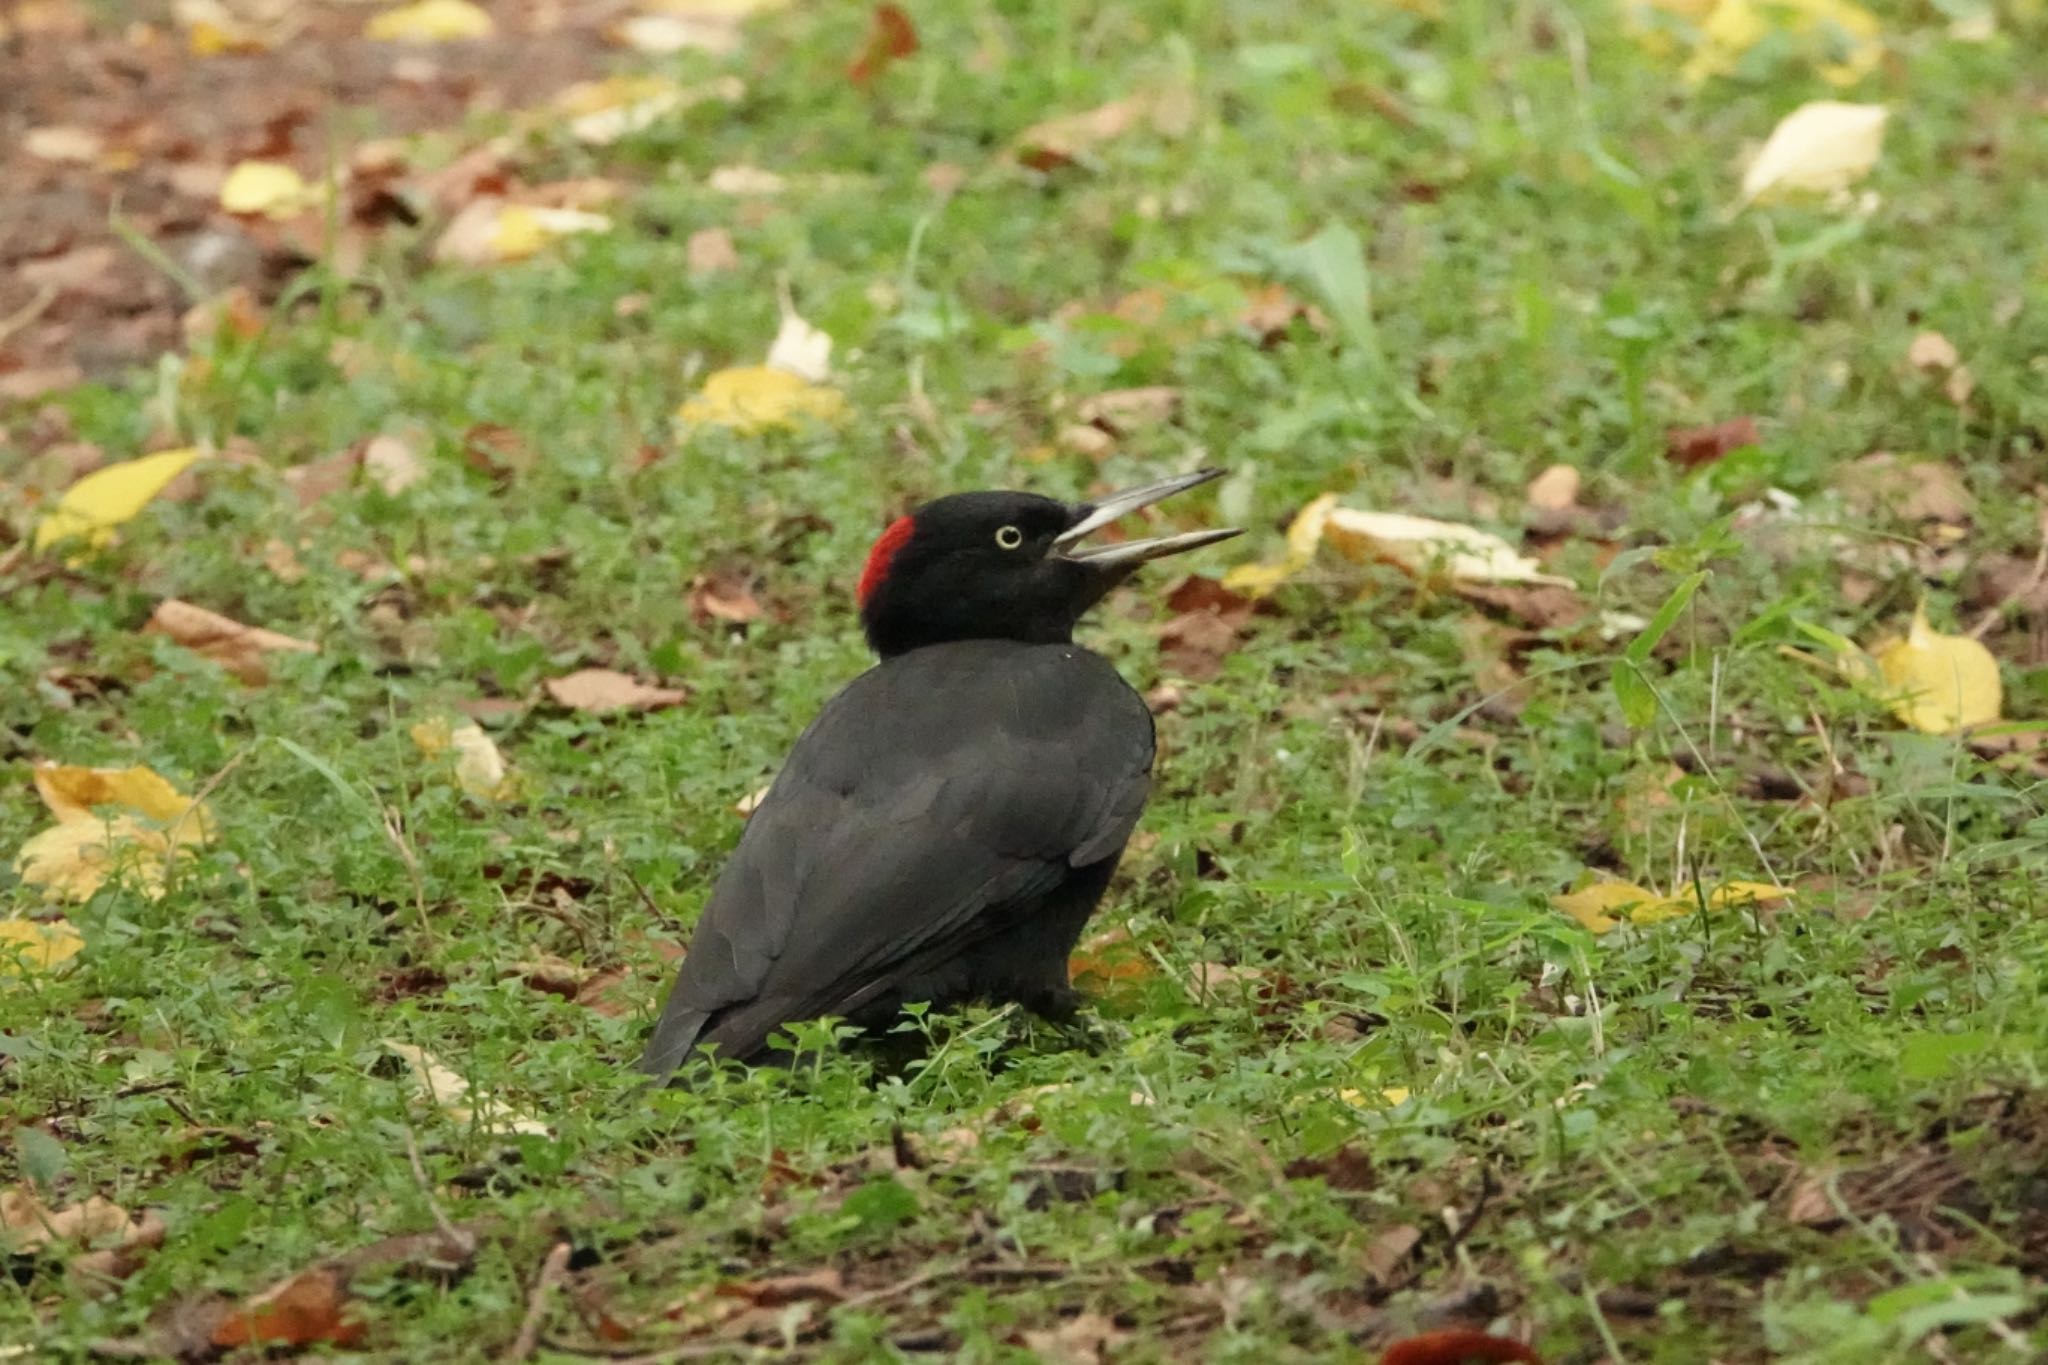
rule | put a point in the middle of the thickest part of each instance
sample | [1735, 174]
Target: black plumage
[944, 828]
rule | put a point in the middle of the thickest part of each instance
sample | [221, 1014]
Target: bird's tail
[673, 1038]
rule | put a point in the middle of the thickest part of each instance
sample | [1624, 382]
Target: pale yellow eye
[1009, 537]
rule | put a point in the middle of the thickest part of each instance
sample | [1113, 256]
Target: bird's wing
[942, 784]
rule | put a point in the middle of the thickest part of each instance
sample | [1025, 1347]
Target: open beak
[1131, 553]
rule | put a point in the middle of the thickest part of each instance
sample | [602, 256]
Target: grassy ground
[1423, 1096]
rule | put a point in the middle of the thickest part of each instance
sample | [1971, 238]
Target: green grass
[1806, 1134]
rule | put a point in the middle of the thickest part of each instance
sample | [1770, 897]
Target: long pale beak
[1131, 553]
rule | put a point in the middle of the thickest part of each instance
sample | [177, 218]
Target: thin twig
[456, 1238]
[28, 312]
[1997, 609]
[551, 1271]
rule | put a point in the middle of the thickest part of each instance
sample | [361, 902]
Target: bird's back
[937, 799]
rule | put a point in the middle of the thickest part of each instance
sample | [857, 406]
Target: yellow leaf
[431, 21]
[1392, 1096]
[72, 792]
[1747, 893]
[1721, 32]
[26, 946]
[479, 767]
[1939, 683]
[269, 189]
[108, 497]
[1596, 905]
[522, 231]
[1420, 545]
[109, 819]
[74, 858]
[757, 397]
[1304, 534]
[1822, 147]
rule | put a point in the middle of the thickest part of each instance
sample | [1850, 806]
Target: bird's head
[1006, 566]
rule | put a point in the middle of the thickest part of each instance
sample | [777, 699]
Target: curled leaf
[235, 647]
[1822, 148]
[479, 767]
[110, 497]
[450, 1093]
[1936, 683]
[27, 946]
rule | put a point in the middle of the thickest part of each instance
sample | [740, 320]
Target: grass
[1808, 1134]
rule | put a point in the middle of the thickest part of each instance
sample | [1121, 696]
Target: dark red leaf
[892, 36]
[1457, 1348]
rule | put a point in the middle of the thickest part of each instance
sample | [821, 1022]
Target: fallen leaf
[1843, 38]
[1911, 490]
[723, 597]
[1457, 1347]
[109, 820]
[1422, 546]
[598, 690]
[1937, 683]
[891, 36]
[1600, 905]
[1271, 310]
[450, 1093]
[1121, 411]
[235, 647]
[776, 1291]
[29, 946]
[1168, 111]
[601, 112]
[1304, 534]
[29, 1227]
[312, 1306]
[1935, 355]
[1691, 447]
[1391, 1247]
[211, 28]
[479, 767]
[430, 21]
[1084, 1339]
[1556, 489]
[751, 802]
[710, 251]
[800, 349]
[492, 232]
[391, 464]
[110, 497]
[752, 398]
[745, 182]
[80, 146]
[1195, 643]
[266, 189]
[1822, 147]
[661, 35]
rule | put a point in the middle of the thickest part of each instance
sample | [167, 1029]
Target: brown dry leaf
[28, 1226]
[1195, 643]
[499, 451]
[1085, 1339]
[710, 251]
[1122, 411]
[1168, 111]
[1912, 490]
[235, 647]
[891, 37]
[826, 1285]
[392, 464]
[312, 1306]
[1809, 1202]
[1556, 489]
[1391, 1247]
[1935, 356]
[723, 597]
[1270, 311]
[597, 690]
[320, 478]
[1691, 447]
